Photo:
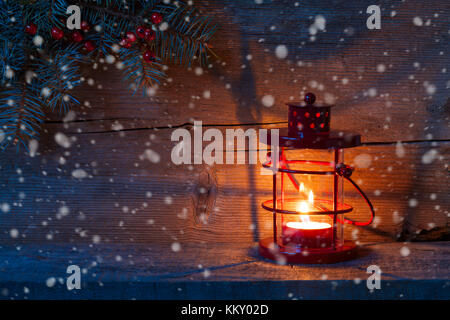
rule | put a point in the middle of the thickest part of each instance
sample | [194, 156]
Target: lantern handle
[358, 223]
[344, 171]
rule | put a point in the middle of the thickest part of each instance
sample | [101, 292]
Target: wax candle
[308, 234]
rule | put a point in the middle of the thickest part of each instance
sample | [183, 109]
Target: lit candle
[308, 234]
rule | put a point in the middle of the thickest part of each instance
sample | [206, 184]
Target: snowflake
[62, 140]
[418, 21]
[281, 51]
[404, 251]
[268, 100]
[79, 174]
[175, 247]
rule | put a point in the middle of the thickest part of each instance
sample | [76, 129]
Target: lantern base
[308, 256]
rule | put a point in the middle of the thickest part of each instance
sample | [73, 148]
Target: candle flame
[311, 197]
[302, 187]
[305, 206]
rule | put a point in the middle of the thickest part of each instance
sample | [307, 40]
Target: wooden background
[126, 198]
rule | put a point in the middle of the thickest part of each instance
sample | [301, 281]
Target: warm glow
[305, 206]
[308, 225]
[302, 187]
[311, 197]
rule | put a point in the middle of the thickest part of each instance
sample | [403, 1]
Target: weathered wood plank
[120, 176]
[128, 198]
[391, 105]
[153, 271]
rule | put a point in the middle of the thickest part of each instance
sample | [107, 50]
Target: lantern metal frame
[314, 137]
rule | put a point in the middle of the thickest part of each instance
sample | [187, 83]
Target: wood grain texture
[393, 104]
[214, 271]
[115, 136]
[128, 198]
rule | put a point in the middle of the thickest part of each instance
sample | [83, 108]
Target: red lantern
[308, 196]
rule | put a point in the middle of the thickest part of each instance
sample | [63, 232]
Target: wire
[358, 223]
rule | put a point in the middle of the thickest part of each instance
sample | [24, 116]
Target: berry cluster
[144, 33]
[58, 34]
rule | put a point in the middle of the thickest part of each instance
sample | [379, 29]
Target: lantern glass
[308, 197]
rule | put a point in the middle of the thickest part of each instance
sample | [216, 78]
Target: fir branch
[59, 74]
[187, 37]
[20, 113]
[11, 61]
[33, 78]
[46, 14]
[141, 74]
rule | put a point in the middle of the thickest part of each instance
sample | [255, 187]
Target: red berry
[140, 31]
[77, 36]
[89, 46]
[57, 33]
[149, 56]
[150, 35]
[31, 29]
[156, 17]
[85, 26]
[131, 37]
[125, 43]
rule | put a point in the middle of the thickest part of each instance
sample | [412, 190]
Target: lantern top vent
[309, 128]
[308, 102]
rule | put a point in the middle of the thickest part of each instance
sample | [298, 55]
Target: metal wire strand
[358, 223]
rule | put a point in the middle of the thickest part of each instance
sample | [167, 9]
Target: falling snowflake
[62, 212]
[362, 160]
[163, 26]
[50, 282]
[399, 150]
[62, 140]
[404, 251]
[176, 247]
[429, 156]
[151, 155]
[33, 146]
[413, 203]
[418, 21]
[79, 174]
[70, 116]
[110, 59]
[45, 92]
[14, 233]
[5, 207]
[381, 68]
[168, 200]
[96, 239]
[429, 88]
[268, 100]
[9, 74]
[38, 41]
[198, 71]
[318, 25]
[281, 51]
